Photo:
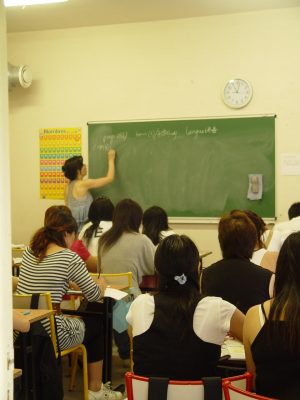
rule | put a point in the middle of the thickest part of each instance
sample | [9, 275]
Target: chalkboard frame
[183, 217]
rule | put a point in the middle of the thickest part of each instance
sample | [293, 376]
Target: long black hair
[177, 263]
[101, 209]
[155, 220]
[127, 217]
[286, 303]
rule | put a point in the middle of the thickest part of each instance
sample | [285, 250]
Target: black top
[161, 351]
[277, 368]
[238, 281]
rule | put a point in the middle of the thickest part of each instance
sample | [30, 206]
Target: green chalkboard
[191, 168]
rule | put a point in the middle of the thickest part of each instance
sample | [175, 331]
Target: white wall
[6, 348]
[165, 69]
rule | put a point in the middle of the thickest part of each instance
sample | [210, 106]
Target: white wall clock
[237, 93]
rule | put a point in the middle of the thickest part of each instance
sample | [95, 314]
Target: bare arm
[271, 286]
[269, 260]
[236, 324]
[99, 182]
[91, 263]
[102, 284]
[131, 346]
[249, 333]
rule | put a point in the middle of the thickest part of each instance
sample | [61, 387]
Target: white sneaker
[105, 393]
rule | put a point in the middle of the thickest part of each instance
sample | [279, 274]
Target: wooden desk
[28, 368]
[34, 315]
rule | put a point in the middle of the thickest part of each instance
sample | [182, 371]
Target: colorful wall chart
[56, 146]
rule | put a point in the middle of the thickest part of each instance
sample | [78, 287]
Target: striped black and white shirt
[53, 275]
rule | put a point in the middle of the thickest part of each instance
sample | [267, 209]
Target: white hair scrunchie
[181, 279]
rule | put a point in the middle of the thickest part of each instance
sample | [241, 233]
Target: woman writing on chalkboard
[77, 195]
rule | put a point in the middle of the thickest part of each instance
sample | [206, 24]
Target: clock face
[237, 93]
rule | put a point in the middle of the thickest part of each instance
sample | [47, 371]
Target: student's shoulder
[212, 268]
[142, 240]
[282, 226]
[143, 301]
[260, 271]
[72, 256]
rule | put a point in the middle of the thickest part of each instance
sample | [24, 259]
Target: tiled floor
[118, 372]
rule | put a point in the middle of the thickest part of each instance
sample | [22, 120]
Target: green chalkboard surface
[191, 168]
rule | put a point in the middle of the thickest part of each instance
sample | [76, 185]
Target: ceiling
[78, 13]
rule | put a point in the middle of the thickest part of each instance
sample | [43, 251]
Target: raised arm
[99, 182]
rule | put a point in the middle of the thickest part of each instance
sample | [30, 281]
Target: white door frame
[6, 348]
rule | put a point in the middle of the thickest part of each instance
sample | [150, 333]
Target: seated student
[124, 249]
[155, 224]
[177, 333]
[48, 266]
[283, 229]
[261, 256]
[272, 330]
[99, 221]
[235, 278]
[78, 246]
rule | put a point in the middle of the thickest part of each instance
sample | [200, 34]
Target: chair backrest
[123, 278]
[232, 392]
[149, 283]
[24, 301]
[137, 387]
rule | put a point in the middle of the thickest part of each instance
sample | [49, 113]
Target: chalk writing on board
[196, 132]
[191, 168]
[157, 133]
[111, 141]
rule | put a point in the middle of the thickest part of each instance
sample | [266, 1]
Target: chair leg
[74, 362]
[85, 373]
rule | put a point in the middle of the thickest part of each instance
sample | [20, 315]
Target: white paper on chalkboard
[255, 188]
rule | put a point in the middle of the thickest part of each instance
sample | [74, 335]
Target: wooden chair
[24, 301]
[124, 279]
[231, 392]
[149, 283]
[137, 387]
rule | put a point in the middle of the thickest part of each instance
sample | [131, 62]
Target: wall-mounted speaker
[19, 76]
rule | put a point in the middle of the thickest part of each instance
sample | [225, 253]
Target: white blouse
[211, 321]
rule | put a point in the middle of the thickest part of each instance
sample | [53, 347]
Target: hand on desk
[73, 286]
[102, 284]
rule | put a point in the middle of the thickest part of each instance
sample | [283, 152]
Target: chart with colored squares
[56, 146]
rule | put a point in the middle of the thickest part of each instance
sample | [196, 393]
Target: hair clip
[181, 279]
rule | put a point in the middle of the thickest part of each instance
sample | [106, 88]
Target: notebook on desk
[234, 349]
